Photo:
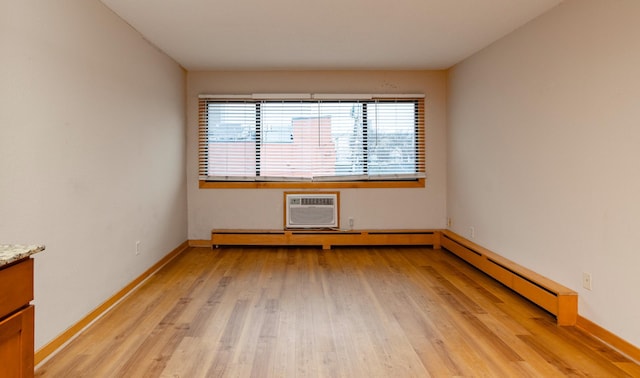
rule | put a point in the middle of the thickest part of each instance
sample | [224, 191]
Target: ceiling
[205, 35]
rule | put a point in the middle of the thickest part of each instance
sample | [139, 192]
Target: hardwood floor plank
[583, 357]
[552, 358]
[346, 312]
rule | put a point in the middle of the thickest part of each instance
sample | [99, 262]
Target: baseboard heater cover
[551, 296]
[324, 238]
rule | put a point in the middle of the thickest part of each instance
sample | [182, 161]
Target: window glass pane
[320, 136]
[286, 159]
[231, 137]
[391, 138]
[345, 122]
[350, 141]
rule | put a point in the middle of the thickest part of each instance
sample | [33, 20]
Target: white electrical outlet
[472, 232]
[138, 247]
[351, 223]
[449, 222]
[586, 281]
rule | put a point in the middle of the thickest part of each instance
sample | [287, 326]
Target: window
[249, 142]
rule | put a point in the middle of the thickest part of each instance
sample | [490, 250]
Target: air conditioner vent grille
[311, 210]
[311, 201]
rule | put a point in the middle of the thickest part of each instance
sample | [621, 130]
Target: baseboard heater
[324, 238]
[551, 296]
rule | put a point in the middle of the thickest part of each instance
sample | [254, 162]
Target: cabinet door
[16, 344]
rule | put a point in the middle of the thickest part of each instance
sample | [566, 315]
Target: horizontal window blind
[311, 140]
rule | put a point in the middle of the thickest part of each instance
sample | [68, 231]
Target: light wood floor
[347, 312]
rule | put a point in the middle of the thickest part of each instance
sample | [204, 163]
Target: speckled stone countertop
[14, 252]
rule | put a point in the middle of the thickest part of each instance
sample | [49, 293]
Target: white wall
[544, 153]
[370, 208]
[92, 152]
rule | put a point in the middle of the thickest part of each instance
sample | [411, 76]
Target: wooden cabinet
[16, 319]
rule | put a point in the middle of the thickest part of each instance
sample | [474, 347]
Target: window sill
[420, 183]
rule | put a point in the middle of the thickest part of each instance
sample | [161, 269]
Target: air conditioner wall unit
[311, 210]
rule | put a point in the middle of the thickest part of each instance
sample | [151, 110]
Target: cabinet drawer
[16, 286]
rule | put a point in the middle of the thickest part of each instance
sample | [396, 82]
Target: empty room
[319, 189]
